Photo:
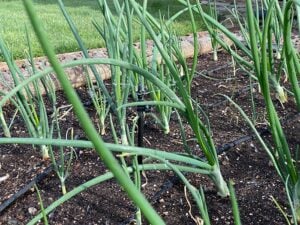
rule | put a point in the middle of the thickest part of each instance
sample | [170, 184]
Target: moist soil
[246, 164]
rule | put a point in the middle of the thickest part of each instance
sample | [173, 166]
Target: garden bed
[246, 164]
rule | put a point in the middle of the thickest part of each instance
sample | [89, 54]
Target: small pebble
[161, 200]
[4, 178]
[225, 162]
[51, 215]
[32, 210]
[270, 163]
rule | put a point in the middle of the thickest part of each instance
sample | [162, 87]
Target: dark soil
[246, 164]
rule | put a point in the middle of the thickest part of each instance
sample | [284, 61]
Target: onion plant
[234, 204]
[42, 205]
[200, 130]
[117, 35]
[279, 27]
[258, 47]
[156, 63]
[126, 67]
[100, 104]
[156, 94]
[96, 96]
[4, 125]
[119, 47]
[62, 162]
[292, 58]
[281, 154]
[168, 57]
[31, 105]
[214, 13]
[86, 123]
[29, 101]
[281, 157]
[166, 161]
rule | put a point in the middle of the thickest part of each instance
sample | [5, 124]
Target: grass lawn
[13, 20]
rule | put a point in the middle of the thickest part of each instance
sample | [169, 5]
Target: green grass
[13, 20]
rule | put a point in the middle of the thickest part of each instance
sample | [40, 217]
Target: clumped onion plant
[279, 28]
[164, 164]
[100, 104]
[281, 155]
[101, 98]
[189, 111]
[120, 47]
[29, 101]
[41, 121]
[158, 66]
[123, 61]
[117, 35]
[86, 123]
[62, 162]
[259, 48]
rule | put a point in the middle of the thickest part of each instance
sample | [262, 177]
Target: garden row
[162, 80]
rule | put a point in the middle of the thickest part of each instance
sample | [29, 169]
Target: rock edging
[76, 74]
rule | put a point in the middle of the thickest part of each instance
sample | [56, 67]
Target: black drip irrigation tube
[141, 121]
[233, 96]
[208, 74]
[140, 134]
[165, 187]
[38, 178]
[25, 188]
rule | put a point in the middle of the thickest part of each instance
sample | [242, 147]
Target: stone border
[76, 74]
